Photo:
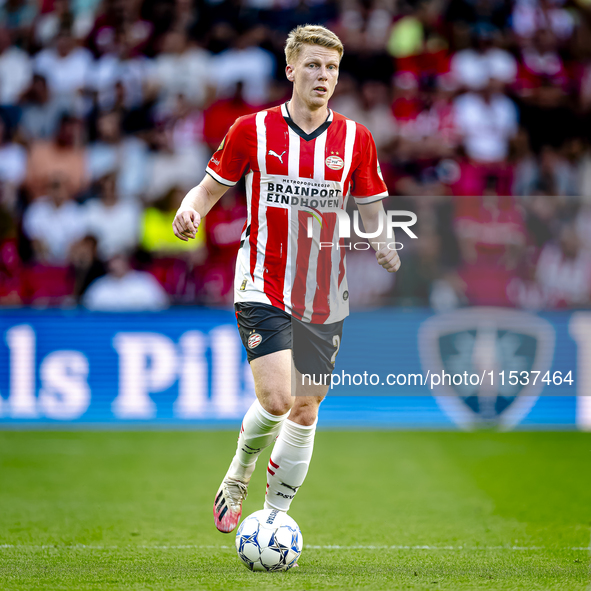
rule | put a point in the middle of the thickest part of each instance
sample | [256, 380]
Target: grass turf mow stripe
[306, 547]
[131, 511]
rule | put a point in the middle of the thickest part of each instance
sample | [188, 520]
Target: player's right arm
[224, 170]
[195, 206]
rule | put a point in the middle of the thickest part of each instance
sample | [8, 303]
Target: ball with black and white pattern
[269, 540]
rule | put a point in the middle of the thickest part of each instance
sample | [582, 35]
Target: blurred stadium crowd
[109, 111]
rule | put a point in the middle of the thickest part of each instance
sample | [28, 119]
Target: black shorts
[265, 329]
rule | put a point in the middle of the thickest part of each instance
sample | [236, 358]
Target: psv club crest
[480, 341]
[334, 162]
[254, 340]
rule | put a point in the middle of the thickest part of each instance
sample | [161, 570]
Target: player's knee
[304, 417]
[305, 414]
[276, 403]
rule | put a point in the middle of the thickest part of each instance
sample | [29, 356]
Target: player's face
[314, 75]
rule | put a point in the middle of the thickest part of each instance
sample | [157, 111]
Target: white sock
[289, 464]
[259, 429]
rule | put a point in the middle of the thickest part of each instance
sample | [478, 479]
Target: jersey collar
[306, 136]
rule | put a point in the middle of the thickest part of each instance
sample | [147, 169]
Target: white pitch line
[470, 548]
[306, 547]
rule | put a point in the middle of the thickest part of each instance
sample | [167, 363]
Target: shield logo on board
[478, 341]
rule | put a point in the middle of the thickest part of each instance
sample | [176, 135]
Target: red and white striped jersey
[293, 177]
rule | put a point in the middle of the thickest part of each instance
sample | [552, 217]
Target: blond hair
[310, 35]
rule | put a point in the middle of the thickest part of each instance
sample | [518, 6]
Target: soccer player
[302, 161]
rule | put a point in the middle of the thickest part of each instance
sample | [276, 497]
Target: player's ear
[289, 72]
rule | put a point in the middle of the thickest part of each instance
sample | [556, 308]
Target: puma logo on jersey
[273, 153]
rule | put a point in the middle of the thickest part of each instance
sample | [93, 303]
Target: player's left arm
[368, 189]
[370, 214]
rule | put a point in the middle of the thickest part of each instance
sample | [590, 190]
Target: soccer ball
[269, 540]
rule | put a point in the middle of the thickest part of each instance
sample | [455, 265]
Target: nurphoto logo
[390, 219]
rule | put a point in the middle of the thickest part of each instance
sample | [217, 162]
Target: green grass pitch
[379, 510]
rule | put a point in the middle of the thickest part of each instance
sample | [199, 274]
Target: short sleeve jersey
[292, 253]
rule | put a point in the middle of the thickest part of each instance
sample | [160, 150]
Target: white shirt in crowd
[487, 127]
[104, 73]
[56, 227]
[530, 16]
[13, 163]
[187, 73]
[15, 75]
[252, 66]
[136, 290]
[473, 69]
[115, 227]
[182, 168]
[129, 159]
[64, 75]
[562, 279]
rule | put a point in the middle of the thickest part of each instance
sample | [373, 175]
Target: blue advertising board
[396, 368]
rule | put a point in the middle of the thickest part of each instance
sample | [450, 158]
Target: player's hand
[186, 224]
[388, 258]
